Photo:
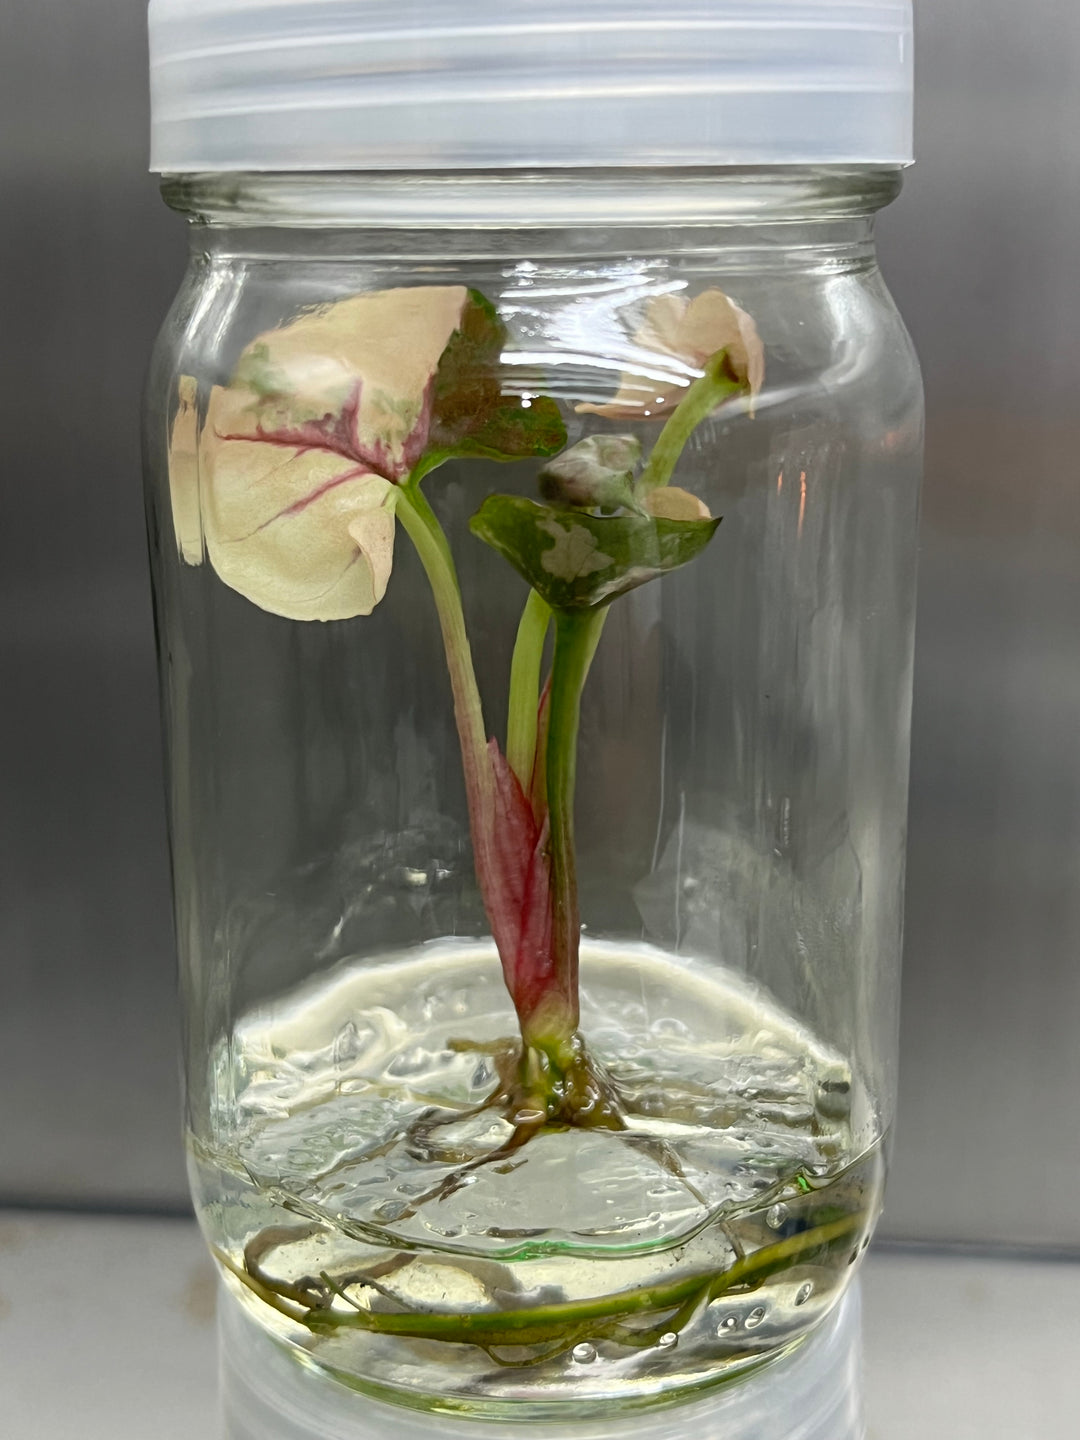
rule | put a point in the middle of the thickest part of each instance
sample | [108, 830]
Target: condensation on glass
[414, 1158]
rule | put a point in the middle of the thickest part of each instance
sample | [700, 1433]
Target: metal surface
[979, 253]
[89, 259]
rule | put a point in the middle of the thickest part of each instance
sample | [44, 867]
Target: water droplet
[667, 1341]
[726, 1325]
[391, 1210]
[754, 1319]
[409, 1062]
[804, 1294]
[775, 1216]
[584, 1353]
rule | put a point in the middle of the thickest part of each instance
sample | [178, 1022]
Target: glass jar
[538, 838]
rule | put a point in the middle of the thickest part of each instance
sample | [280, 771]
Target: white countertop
[107, 1333]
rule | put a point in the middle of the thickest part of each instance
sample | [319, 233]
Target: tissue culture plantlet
[326, 438]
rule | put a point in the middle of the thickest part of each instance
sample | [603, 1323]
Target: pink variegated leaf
[301, 533]
[293, 487]
[184, 472]
[290, 485]
[351, 379]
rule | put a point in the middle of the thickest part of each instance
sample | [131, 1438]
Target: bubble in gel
[754, 1319]
[667, 1341]
[584, 1353]
[775, 1216]
[804, 1294]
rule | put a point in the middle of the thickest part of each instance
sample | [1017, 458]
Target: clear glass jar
[517, 1195]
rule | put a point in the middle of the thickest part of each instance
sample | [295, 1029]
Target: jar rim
[618, 198]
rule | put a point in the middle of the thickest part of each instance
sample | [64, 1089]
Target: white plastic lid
[288, 85]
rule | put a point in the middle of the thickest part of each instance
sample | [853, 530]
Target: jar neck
[594, 209]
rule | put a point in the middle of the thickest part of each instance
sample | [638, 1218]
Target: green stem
[699, 402]
[423, 528]
[577, 633]
[525, 688]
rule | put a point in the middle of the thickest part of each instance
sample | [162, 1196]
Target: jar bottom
[812, 1390]
[366, 1209]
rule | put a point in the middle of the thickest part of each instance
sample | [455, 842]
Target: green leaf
[469, 413]
[575, 560]
[597, 473]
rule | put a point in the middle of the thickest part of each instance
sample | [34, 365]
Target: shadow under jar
[534, 561]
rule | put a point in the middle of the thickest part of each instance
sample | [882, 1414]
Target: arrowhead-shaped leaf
[301, 454]
[575, 560]
[300, 532]
[469, 413]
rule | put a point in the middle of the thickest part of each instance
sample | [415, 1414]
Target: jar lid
[287, 85]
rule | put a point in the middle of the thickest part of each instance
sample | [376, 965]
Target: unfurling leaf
[520, 910]
[575, 560]
[670, 502]
[595, 474]
[672, 345]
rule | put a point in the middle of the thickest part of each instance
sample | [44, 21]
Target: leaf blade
[576, 560]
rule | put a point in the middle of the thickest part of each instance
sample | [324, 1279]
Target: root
[548, 1330]
[536, 1093]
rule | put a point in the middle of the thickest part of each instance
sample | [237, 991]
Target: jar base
[367, 1211]
[272, 1389]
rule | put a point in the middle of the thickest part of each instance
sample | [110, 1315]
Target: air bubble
[727, 1325]
[775, 1216]
[804, 1294]
[584, 1353]
[668, 1341]
[754, 1319]
[391, 1210]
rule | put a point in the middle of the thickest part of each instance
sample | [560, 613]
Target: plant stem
[577, 633]
[699, 402]
[525, 688]
[423, 528]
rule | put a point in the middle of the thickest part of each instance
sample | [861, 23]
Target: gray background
[979, 252]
